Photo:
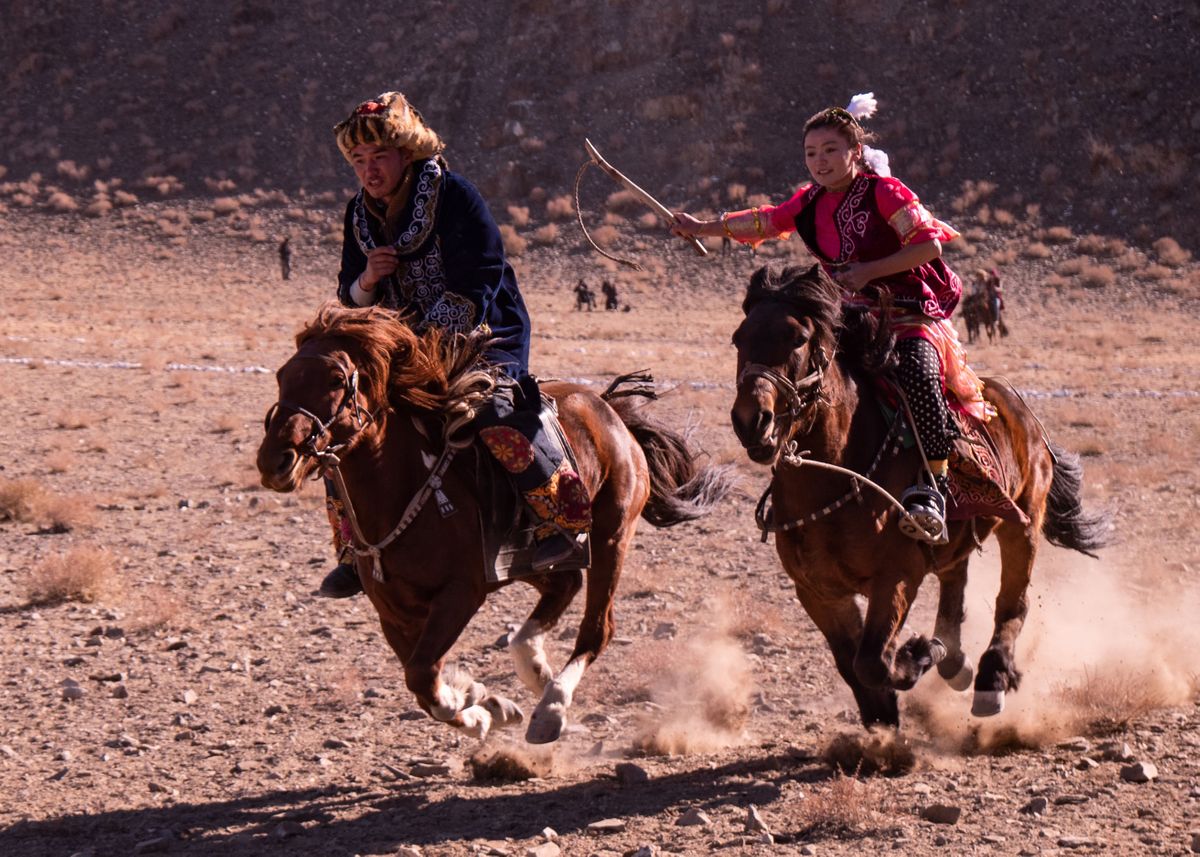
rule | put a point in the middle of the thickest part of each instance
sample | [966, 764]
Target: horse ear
[759, 285]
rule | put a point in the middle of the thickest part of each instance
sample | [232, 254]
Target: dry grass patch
[1036, 250]
[1097, 276]
[518, 215]
[81, 574]
[545, 235]
[1059, 235]
[26, 501]
[156, 608]
[1099, 245]
[59, 461]
[846, 807]
[70, 421]
[1170, 253]
[514, 244]
[560, 207]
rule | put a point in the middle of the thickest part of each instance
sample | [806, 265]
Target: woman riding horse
[873, 236]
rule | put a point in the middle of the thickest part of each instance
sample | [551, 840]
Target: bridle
[329, 459]
[327, 455]
[798, 396]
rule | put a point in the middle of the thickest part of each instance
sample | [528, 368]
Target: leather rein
[330, 456]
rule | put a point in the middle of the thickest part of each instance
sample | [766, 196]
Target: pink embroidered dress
[875, 217]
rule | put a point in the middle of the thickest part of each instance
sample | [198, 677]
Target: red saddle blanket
[979, 481]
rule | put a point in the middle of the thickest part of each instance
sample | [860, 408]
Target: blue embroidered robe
[452, 273]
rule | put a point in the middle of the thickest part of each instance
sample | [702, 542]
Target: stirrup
[552, 550]
[926, 518]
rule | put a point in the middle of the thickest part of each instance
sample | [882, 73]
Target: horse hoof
[475, 694]
[987, 703]
[962, 679]
[476, 722]
[504, 711]
[546, 725]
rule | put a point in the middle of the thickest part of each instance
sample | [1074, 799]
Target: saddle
[506, 522]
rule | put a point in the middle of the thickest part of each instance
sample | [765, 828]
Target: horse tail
[681, 489]
[1067, 524]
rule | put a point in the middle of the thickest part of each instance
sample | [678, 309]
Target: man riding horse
[420, 238]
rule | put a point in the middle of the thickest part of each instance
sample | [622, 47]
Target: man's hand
[381, 262]
[854, 275]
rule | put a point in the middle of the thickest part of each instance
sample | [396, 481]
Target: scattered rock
[188, 697]
[1077, 744]
[693, 817]
[1037, 806]
[942, 813]
[629, 774]
[157, 845]
[1071, 800]
[545, 849]
[430, 769]
[754, 821]
[605, 826]
[1139, 772]
[287, 829]
[1077, 842]
[1196, 843]
[1086, 764]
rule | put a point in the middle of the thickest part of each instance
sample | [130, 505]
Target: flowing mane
[863, 339]
[432, 371]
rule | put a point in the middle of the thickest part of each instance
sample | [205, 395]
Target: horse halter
[320, 428]
[798, 395]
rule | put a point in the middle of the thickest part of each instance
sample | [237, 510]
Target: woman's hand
[854, 276]
[686, 226]
[381, 262]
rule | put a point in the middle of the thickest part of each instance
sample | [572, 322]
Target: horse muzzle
[756, 432]
[281, 471]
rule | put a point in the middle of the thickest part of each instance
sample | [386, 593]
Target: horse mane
[863, 339]
[430, 371]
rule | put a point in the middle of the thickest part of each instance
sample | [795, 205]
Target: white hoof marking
[449, 703]
[476, 722]
[987, 703]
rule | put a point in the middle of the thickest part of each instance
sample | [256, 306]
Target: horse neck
[386, 469]
[827, 437]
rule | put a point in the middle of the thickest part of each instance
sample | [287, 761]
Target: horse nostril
[287, 461]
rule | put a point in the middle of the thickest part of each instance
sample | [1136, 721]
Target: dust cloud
[702, 696]
[1105, 641]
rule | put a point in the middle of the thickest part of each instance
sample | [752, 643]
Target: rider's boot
[343, 581]
[926, 506]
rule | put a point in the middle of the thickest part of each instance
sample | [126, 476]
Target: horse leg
[951, 612]
[887, 608]
[595, 629]
[998, 671]
[840, 620]
[527, 646]
[452, 702]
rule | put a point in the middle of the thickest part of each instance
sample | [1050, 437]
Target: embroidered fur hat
[388, 120]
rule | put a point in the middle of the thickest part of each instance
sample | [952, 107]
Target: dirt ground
[206, 703]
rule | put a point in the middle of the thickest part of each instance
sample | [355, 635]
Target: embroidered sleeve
[910, 220]
[453, 313]
[753, 226]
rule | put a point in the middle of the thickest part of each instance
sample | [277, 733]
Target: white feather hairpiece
[862, 106]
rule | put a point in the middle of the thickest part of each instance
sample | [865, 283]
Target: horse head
[784, 344]
[352, 367]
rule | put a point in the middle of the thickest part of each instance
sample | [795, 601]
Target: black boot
[926, 507]
[343, 581]
[551, 550]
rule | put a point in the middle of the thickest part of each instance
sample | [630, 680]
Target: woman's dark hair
[840, 120]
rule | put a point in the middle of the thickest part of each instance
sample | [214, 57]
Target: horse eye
[337, 382]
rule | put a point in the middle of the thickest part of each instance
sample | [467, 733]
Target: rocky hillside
[1087, 110]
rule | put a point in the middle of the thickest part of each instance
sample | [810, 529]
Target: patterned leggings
[920, 376]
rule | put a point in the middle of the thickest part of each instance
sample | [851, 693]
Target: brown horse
[805, 382]
[390, 404]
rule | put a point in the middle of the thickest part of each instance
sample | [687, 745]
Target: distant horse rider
[584, 296]
[610, 296]
[285, 257]
[995, 295]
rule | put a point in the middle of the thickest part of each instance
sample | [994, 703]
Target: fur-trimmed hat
[388, 120]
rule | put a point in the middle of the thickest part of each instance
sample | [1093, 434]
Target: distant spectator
[584, 296]
[610, 295]
[285, 258]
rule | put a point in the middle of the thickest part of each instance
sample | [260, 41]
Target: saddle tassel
[445, 507]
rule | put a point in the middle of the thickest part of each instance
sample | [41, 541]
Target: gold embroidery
[909, 220]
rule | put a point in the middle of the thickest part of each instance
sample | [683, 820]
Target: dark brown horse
[806, 395]
[366, 397]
